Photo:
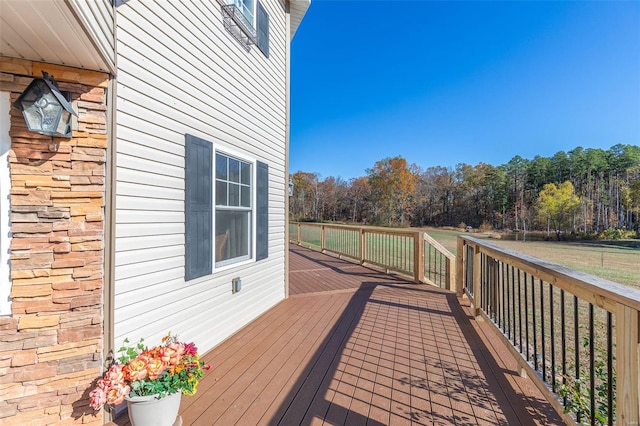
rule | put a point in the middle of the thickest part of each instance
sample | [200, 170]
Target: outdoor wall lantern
[45, 108]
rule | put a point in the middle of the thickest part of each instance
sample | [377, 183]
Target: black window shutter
[198, 207]
[263, 30]
[262, 211]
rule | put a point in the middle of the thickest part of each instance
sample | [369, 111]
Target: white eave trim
[297, 10]
[107, 56]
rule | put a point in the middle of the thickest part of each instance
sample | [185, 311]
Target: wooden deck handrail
[496, 272]
[450, 276]
[604, 293]
[397, 250]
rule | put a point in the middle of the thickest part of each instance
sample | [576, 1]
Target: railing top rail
[366, 228]
[390, 231]
[306, 223]
[597, 290]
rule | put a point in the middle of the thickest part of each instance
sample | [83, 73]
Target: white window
[5, 185]
[251, 18]
[233, 211]
[226, 209]
[248, 9]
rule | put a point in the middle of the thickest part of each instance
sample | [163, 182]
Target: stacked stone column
[51, 345]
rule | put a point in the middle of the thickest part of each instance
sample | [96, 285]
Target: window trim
[251, 256]
[190, 244]
[5, 208]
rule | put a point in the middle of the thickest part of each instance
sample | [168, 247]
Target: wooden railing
[577, 336]
[407, 252]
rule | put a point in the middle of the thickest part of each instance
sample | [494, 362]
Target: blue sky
[443, 83]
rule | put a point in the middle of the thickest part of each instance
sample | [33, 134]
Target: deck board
[353, 346]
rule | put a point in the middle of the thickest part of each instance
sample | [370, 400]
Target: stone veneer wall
[51, 346]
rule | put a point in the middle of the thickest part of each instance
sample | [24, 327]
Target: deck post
[322, 239]
[477, 270]
[363, 246]
[418, 257]
[627, 365]
[450, 276]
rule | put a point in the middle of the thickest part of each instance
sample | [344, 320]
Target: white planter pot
[153, 411]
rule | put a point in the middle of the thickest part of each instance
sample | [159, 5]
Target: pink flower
[116, 394]
[190, 349]
[111, 389]
[136, 369]
[155, 367]
[114, 376]
[98, 396]
[172, 353]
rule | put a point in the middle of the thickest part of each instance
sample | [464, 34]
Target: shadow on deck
[352, 346]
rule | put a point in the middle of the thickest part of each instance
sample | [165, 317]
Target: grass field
[617, 261]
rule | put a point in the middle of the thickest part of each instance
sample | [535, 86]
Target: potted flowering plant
[140, 373]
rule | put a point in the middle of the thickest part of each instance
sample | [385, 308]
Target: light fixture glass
[46, 110]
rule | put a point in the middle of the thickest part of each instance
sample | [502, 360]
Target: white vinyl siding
[180, 72]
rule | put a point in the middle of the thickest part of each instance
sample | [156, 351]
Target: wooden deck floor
[352, 346]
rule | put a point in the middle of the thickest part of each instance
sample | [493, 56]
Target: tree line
[581, 191]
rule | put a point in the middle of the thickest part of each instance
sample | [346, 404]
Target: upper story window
[248, 22]
[248, 10]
